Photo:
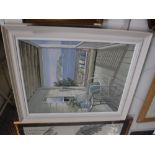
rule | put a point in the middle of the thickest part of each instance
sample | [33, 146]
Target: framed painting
[66, 74]
[77, 128]
[147, 113]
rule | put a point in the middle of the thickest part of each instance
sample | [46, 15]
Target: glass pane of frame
[73, 76]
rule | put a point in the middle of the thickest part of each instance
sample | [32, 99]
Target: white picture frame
[11, 35]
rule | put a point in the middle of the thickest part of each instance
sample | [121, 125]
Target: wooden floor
[6, 121]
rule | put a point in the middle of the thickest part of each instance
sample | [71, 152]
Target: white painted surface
[138, 25]
[13, 21]
[1, 21]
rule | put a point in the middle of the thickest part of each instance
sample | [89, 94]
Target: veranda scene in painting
[74, 76]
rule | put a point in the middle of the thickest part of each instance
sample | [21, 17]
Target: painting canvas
[74, 76]
[89, 129]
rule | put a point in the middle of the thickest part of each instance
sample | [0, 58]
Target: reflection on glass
[74, 76]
